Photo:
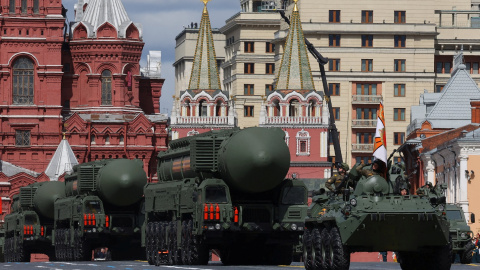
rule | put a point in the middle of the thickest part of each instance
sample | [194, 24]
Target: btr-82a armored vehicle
[375, 217]
[460, 233]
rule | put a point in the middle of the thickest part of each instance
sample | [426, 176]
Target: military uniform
[367, 172]
[335, 180]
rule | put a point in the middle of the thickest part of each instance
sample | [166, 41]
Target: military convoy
[460, 234]
[225, 190]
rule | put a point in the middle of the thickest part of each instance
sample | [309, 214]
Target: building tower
[203, 106]
[110, 109]
[298, 109]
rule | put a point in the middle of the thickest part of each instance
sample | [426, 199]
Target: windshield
[216, 194]
[93, 207]
[293, 195]
[454, 214]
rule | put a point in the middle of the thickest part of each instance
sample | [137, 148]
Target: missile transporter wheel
[319, 239]
[22, 252]
[340, 256]
[194, 251]
[149, 250]
[307, 250]
[467, 254]
[173, 254]
[81, 248]
[159, 244]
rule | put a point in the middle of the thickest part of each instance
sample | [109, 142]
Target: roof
[62, 161]
[99, 12]
[205, 74]
[295, 72]
[10, 170]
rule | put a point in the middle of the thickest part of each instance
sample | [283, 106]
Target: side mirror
[472, 218]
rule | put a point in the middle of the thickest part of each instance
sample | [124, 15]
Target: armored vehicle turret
[102, 209]
[224, 190]
[377, 217]
[28, 228]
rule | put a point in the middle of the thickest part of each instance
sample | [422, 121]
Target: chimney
[475, 105]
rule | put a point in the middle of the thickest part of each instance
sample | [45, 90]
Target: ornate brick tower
[203, 106]
[30, 79]
[298, 109]
[111, 110]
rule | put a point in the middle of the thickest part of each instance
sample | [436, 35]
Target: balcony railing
[202, 120]
[364, 123]
[362, 148]
[458, 18]
[366, 99]
[300, 120]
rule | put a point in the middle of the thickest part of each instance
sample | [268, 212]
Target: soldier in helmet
[378, 168]
[337, 178]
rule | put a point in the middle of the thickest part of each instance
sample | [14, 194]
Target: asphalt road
[212, 266]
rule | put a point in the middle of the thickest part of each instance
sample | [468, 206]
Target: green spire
[204, 71]
[295, 72]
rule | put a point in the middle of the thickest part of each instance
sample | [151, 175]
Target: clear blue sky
[162, 20]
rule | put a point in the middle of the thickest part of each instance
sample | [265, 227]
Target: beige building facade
[390, 51]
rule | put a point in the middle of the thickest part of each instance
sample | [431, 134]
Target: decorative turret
[62, 161]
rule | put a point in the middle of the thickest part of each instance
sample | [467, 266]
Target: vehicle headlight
[294, 227]
[348, 208]
[94, 230]
[441, 207]
[353, 202]
[463, 235]
[217, 226]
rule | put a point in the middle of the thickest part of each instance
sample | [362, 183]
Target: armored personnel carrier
[224, 190]
[28, 228]
[460, 233]
[102, 208]
[376, 217]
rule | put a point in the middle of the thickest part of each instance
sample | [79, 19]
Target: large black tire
[173, 255]
[280, 255]
[467, 255]
[58, 245]
[440, 258]
[307, 250]
[318, 252]
[68, 243]
[157, 237]
[340, 259]
[411, 260]
[149, 251]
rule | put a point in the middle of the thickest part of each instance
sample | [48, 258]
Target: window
[270, 48]
[22, 137]
[12, 6]
[367, 41]
[248, 111]
[399, 16]
[269, 68]
[399, 90]
[398, 160]
[36, 8]
[249, 68]
[334, 40]
[399, 41]
[334, 89]
[367, 65]
[472, 67]
[366, 89]
[398, 114]
[444, 67]
[336, 113]
[334, 65]
[23, 81]
[398, 138]
[106, 87]
[92, 139]
[248, 90]
[439, 88]
[294, 108]
[367, 16]
[303, 143]
[330, 140]
[334, 16]
[203, 109]
[366, 113]
[365, 137]
[268, 88]
[399, 65]
[363, 159]
[249, 47]
[24, 6]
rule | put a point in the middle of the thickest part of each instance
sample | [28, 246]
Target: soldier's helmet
[345, 166]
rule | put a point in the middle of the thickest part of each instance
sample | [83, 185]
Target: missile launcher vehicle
[102, 208]
[374, 218]
[224, 190]
[28, 228]
[2, 242]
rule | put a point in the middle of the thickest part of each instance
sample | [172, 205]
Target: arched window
[11, 8]
[23, 81]
[188, 108]
[24, 6]
[312, 108]
[202, 106]
[276, 108]
[303, 143]
[106, 87]
[218, 108]
[36, 7]
[294, 108]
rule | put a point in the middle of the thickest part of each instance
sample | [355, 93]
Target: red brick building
[83, 80]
